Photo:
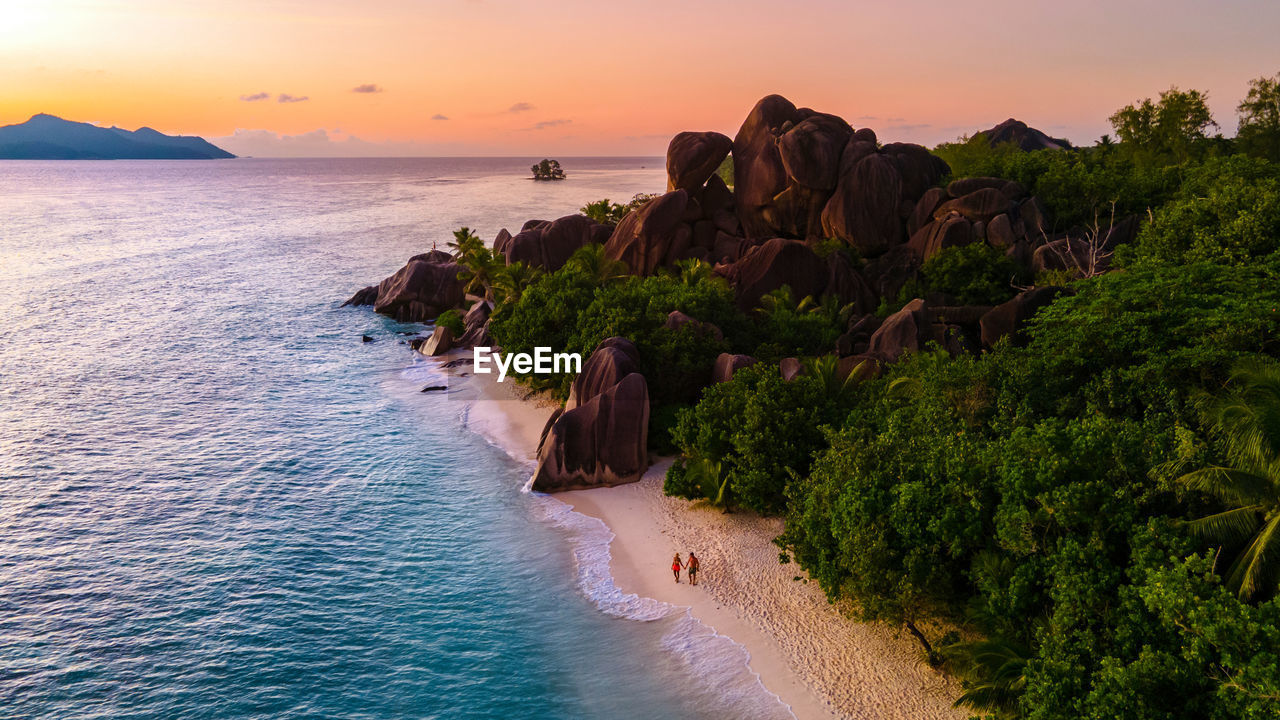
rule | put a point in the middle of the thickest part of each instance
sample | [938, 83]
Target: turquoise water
[217, 502]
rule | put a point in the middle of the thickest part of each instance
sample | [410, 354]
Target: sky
[582, 77]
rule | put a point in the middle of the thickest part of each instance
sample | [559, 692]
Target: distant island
[46, 137]
[548, 170]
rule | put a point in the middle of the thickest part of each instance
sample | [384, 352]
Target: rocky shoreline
[802, 181]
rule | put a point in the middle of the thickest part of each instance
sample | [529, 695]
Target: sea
[218, 501]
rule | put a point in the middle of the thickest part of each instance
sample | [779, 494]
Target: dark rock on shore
[602, 438]
[418, 292]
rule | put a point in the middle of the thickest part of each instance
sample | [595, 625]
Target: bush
[676, 363]
[975, 274]
[1227, 210]
[758, 430]
[453, 320]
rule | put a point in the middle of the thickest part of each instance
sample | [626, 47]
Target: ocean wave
[720, 665]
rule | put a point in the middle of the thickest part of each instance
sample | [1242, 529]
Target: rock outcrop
[652, 235]
[727, 364]
[549, 245]
[601, 437]
[1024, 136]
[1008, 319]
[425, 287]
[692, 157]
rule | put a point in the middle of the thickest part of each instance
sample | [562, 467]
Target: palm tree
[510, 283]
[591, 260]
[707, 476]
[994, 672]
[1246, 422]
[840, 388]
[479, 264]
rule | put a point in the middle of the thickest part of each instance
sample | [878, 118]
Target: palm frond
[1252, 573]
[1232, 486]
[1231, 526]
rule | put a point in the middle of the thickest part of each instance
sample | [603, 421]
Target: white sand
[806, 651]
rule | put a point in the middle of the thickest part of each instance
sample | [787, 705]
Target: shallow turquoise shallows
[217, 502]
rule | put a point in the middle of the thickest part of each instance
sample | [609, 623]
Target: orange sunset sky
[492, 77]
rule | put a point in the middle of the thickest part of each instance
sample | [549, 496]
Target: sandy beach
[806, 651]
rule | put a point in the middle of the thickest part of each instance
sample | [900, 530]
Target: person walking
[692, 564]
[676, 565]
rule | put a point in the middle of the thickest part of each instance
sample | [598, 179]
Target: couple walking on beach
[691, 564]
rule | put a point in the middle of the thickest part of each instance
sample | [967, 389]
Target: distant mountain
[45, 137]
[1024, 136]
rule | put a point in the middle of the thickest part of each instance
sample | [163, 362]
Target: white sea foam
[716, 663]
[721, 666]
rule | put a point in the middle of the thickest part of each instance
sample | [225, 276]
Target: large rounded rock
[727, 364]
[776, 263]
[919, 168]
[923, 213]
[612, 360]
[978, 206]
[602, 442]
[909, 329]
[692, 157]
[422, 289]
[951, 231]
[1008, 319]
[440, 342]
[645, 238]
[758, 172]
[811, 150]
[847, 285]
[864, 209]
[549, 245]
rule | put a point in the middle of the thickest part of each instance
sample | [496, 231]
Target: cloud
[325, 143]
[255, 97]
[520, 107]
[909, 128]
[438, 116]
[546, 124]
[366, 89]
[287, 98]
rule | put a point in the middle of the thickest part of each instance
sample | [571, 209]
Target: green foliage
[1077, 187]
[725, 171]
[480, 265]
[452, 319]
[676, 363]
[759, 430]
[1141, 341]
[787, 327]
[611, 213]
[545, 314]
[1245, 421]
[1259, 131]
[604, 211]
[548, 170]
[1173, 127]
[1227, 210]
[974, 274]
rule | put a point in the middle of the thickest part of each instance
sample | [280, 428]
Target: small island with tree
[548, 170]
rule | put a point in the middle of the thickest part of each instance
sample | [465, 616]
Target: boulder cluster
[805, 184]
